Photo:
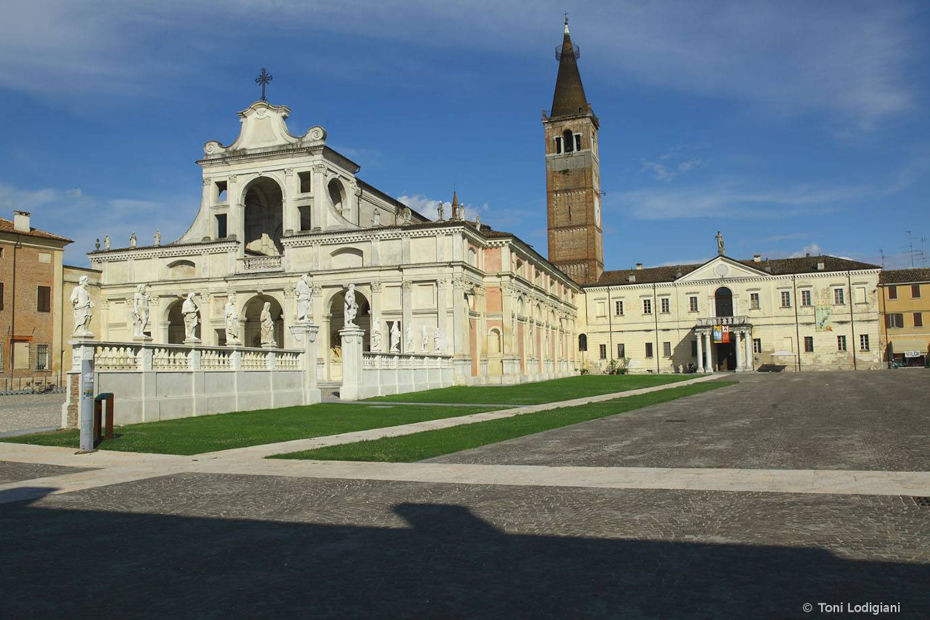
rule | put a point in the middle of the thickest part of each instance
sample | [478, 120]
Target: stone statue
[83, 309]
[156, 238]
[395, 337]
[720, 250]
[478, 222]
[408, 341]
[376, 217]
[424, 339]
[97, 245]
[140, 312]
[106, 243]
[440, 212]
[191, 314]
[376, 336]
[132, 240]
[405, 216]
[304, 292]
[267, 325]
[437, 341]
[232, 320]
[351, 307]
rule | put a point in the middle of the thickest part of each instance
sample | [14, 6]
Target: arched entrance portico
[263, 202]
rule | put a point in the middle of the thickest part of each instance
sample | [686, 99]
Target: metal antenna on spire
[264, 79]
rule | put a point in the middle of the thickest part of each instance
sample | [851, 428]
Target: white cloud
[786, 56]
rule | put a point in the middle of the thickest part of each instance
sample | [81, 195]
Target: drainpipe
[655, 316]
[797, 328]
[852, 320]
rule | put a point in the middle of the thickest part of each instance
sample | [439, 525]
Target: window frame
[841, 343]
[808, 344]
[754, 302]
[665, 305]
[807, 298]
[918, 319]
[621, 351]
[757, 345]
[693, 304]
[602, 350]
[39, 354]
[839, 296]
[864, 343]
[915, 291]
[892, 291]
[618, 307]
[649, 350]
[40, 288]
[647, 305]
[666, 348]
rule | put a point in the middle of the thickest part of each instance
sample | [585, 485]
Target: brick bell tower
[573, 180]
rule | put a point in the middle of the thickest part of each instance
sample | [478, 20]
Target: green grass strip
[428, 444]
[236, 430]
[536, 393]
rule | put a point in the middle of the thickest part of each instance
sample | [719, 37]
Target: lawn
[428, 444]
[535, 393]
[249, 428]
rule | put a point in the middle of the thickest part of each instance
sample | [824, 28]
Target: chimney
[821, 266]
[757, 258]
[631, 278]
[21, 221]
[639, 266]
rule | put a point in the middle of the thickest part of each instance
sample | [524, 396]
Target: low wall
[384, 374]
[161, 382]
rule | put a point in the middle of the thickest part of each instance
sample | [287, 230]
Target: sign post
[84, 353]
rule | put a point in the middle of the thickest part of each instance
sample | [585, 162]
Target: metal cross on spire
[264, 79]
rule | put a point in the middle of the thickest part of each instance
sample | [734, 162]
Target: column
[318, 187]
[235, 220]
[290, 218]
[700, 351]
[748, 358]
[740, 364]
[306, 333]
[351, 363]
[710, 351]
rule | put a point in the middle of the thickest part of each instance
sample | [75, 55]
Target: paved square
[818, 420]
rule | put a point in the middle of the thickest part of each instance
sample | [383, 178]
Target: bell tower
[573, 180]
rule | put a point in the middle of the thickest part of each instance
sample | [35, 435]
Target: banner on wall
[721, 334]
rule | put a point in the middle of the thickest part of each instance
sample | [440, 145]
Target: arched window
[494, 341]
[582, 342]
[568, 140]
[723, 301]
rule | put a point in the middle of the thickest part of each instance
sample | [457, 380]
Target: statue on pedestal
[156, 238]
[267, 327]
[304, 292]
[132, 240]
[232, 320]
[83, 309]
[720, 249]
[424, 339]
[437, 341]
[395, 337]
[351, 307]
[376, 336]
[140, 312]
[408, 342]
[191, 318]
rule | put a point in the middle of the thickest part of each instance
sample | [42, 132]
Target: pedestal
[306, 333]
[351, 362]
[82, 359]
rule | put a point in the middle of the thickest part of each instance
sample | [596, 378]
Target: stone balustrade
[254, 264]
[711, 321]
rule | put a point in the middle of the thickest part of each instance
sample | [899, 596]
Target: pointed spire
[569, 98]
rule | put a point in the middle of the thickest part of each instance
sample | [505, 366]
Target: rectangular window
[918, 320]
[221, 232]
[841, 343]
[895, 319]
[1, 295]
[861, 296]
[44, 299]
[577, 141]
[621, 351]
[892, 292]
[618, 308]
[304, 182]
[304, 217]
[915, 291]
[41, 357]
[603, 349]
[786, 299]
[863, 342]
[665, 305]
[647, 306]
[808, 344]
[21, 355]
[648, 349]
[220, 191]
[753, 301]
[667, 349]
[805, 298]
[757, 345]
[839, 296]
[558, 144]
[693, 303]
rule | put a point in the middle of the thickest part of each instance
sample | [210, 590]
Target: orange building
[904, 301]
[31, 317]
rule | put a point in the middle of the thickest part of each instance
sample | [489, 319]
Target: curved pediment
[264, 126]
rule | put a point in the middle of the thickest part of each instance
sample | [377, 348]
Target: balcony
[259, 264]
[711, 321]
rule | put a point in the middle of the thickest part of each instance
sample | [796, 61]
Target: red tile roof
[6, 226]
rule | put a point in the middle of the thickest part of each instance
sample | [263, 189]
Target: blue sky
[791, 126]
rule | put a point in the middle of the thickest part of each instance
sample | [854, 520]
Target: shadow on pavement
[448, 563]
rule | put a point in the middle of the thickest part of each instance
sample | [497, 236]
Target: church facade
[277, 206]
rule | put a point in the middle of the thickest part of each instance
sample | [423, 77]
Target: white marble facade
[276, 207]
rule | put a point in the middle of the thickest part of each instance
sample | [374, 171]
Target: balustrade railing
[405, 360]
[710, 321]
[131, 357]
[260, 263]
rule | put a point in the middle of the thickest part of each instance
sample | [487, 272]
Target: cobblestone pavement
[222, 545]
[17, 472]
[831, 420]
[30, 411]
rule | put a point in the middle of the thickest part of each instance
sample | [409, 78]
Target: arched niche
[494, 341]
[346, 258]
[181, 269]
[263, 200]
[337, 317]
[337, 197]
[175, 321]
